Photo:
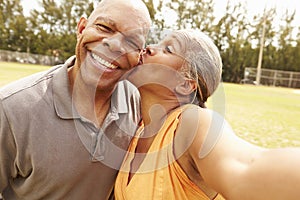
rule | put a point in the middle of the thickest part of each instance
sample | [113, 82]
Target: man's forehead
[132, 31]
[127, 12]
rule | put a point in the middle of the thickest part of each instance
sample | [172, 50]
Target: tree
[286, 51]
[55, 26]
[51, 30]
[231, 35]
[12, 26]
[193, 14]
[296, 52]
[158, 24]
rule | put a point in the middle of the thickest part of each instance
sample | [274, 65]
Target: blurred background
[252, 35]
[259, 41]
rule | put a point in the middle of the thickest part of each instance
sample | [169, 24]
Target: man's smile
[103, 62]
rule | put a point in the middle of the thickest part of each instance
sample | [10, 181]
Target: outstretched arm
[240, 170]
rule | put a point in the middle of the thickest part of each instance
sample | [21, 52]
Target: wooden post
[260, 56]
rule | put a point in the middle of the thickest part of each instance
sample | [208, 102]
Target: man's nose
[114, 43]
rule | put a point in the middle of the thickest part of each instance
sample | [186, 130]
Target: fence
[14, 56]
[273, 77]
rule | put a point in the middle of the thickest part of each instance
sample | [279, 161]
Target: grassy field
[12, 71]
[266, 116]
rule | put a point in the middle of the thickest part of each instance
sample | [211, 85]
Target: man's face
[110, 42]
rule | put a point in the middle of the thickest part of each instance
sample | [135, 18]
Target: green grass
[266, 116]
[12, 71]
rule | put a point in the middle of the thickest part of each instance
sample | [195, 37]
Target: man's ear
[81, 25]
[187, 87]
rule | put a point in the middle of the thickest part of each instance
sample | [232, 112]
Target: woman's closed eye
[169, 49]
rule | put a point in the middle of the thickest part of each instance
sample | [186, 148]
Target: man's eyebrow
[131, 35]
[106, 20]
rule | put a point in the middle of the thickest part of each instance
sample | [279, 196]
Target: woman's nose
[150, 50]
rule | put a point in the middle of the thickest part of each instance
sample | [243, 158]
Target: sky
[253, 7]
[258, 6]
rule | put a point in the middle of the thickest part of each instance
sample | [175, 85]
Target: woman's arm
[240, 170]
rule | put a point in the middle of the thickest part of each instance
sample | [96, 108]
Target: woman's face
[168, 52]
[161, 63]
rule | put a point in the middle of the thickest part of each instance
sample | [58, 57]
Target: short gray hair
[203, 62]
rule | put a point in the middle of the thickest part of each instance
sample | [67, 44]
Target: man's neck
[91, 102]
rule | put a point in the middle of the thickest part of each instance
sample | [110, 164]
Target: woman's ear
[187, 87]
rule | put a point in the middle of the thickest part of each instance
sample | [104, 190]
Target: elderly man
[64, 132]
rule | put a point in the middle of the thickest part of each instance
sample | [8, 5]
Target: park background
[50, 29]
[268, 116]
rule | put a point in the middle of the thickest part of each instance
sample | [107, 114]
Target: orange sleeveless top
[159, 177]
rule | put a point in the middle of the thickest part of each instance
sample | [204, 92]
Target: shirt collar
[61, 93]
[118, 100]
[63, 100]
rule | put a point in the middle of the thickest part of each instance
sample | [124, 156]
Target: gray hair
[203, 63]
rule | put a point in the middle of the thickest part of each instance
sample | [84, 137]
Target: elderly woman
[183, 150]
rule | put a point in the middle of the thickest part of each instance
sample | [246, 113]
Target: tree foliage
[12, 26]
[51, 30]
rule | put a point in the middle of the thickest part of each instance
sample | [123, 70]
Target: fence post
[275, 78]
[291, 79]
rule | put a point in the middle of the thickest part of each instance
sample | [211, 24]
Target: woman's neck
[154, 110]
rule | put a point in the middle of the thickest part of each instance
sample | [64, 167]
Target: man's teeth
[104, 62]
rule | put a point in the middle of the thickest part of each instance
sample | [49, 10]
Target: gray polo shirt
[48, 151]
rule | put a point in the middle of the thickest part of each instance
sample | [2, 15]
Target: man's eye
[104, 28]
[133, 45]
